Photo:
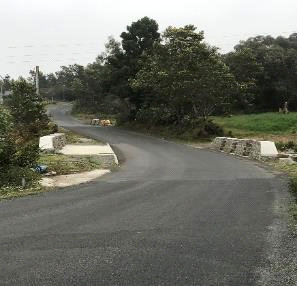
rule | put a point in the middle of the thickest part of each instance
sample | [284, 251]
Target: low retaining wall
[52, 142]
[246, 147]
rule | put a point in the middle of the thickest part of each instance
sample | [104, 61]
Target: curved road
[171, 215]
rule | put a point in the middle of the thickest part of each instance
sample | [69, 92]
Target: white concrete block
[246, 147]
[52, 142]
[46, 143]
[268, 148]
[261, 149]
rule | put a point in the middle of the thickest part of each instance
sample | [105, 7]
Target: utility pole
[37, 80]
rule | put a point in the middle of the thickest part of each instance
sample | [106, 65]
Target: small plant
[290, 145]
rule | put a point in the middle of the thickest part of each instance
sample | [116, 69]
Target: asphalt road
[171, 215]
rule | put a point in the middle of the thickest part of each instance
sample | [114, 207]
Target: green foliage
[26, 154]
[199, 129]
[268, 67]
[243, 64]
[21, 124]
[185, 75]
[27, 110]
[290, 145]
[15, 154]
[5, 121]
[140, 37]
[180, 75]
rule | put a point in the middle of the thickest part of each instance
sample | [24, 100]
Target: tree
[27, 110]
[275, 82]
[5, 121]
[21, 123]
[6, 83]
[140, 37]
[243, 64]
[5, 145]
[64, 82]
[123, 61]
[184, 75]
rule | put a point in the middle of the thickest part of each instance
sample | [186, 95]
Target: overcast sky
[52, 33]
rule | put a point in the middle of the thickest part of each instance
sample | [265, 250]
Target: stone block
[240, 147]
[230, 145]
[219, 142]
[249, 145]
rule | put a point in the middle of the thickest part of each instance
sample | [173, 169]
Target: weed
[283, 146]
[74, 138]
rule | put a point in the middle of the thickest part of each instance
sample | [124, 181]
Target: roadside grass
[66, 164]
[11, 192]
[74, 138]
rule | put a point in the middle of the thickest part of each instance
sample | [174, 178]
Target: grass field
[262, 125]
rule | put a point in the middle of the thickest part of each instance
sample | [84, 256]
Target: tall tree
[243, 64]
[123, 62]
[140, 37]
[27, 110]
[185, 75]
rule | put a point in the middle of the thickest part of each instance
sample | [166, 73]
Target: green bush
[14, 176]
[286, 146]
[26, 155]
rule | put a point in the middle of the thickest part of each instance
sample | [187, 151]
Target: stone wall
[246, 147]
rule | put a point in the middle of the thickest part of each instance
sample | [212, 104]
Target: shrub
[14, 175]
[26, 155]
